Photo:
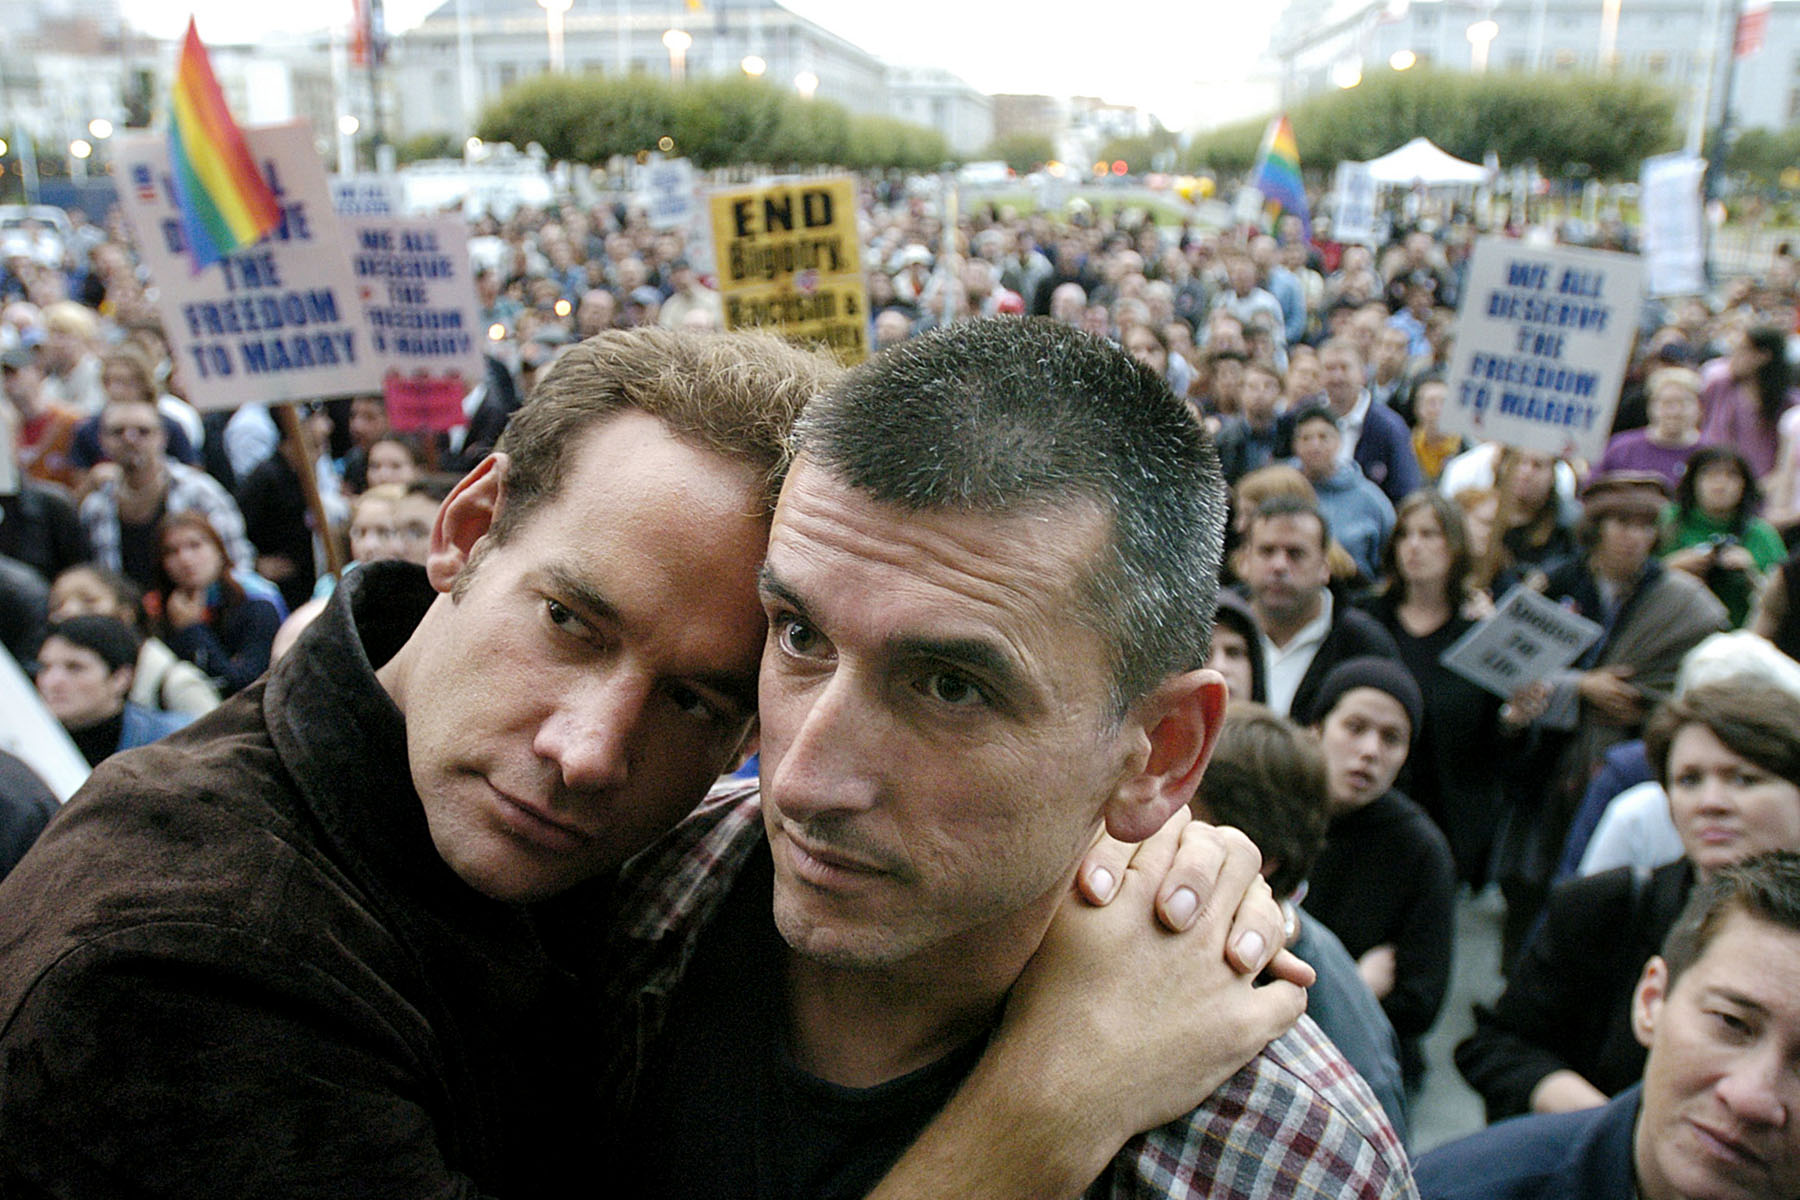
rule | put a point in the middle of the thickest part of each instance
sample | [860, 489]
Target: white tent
[1421, 161]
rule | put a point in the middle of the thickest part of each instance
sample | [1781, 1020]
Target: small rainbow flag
[1277, 173]
[225, 202]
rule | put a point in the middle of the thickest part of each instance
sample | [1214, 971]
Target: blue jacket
[1384, 451]
[1361, 517]
[143, 725]
[1566, 1156]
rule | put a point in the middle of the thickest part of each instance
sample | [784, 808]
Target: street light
[80, 148]
[100, 128]
[1481, 36]
[806, 83]
[1403, 60]
[754, 66]
[1347, 73]
[348, 125]
[553, 28]
[678, 41]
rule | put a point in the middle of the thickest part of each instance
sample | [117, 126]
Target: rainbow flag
[225, 202]
[1277, 174]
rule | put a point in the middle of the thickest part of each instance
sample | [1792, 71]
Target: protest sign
[279, 321]
[1674, 230]
[789, 259]
[367, 196]
[1542, 338]
[33, 736]
[669, 192]
[1528, 638]
[1353, 219]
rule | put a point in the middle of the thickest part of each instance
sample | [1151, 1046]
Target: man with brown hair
[349, 935]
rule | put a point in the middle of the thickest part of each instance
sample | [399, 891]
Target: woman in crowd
[1712, 531]
[1559, 1037]
[84, 671]
[163, 681]
[1759, 387]
[202, 611]
[1427, 603]
[392, 459]
[1534, 533]
[1480, 508]
[1664, 446]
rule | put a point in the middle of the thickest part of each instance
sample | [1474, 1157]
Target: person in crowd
[367, 424]
[161, 681]
[1358, 512]
[1712, 532]
[1267, 777]
[1255, 489]
[1147, 344]
[1480, 509]
[1431, 446]
[1305, 630]
[899, 697]
[386, 522]
[1244, 301]
[1649, 619]
[1385, 881]
[434, 775]
[1535, 529]
[1672, 398]
[1375, 437]
[279, 521]
[39, 524]
[1749, 395]
[392, 459]
[26, 806]
[1426, 603]
[138, 486]
[1718, 1012]
[71, 357]
[1727, 755]
[84, 674]
[126, 375]
[1246, 439]
[202, 611]
[44, 430]
[1234, 651]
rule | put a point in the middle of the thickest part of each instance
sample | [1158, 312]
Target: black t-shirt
[726, 1113]
[137, 548]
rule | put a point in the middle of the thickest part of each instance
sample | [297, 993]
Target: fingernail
[1250, 948]
[1102, 882]
[1181, 905]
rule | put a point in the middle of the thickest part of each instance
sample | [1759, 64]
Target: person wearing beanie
[85, 669]
[1385, 882]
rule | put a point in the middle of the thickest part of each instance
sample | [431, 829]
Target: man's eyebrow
[570, 586]
[977, 654]
[770, 584]
[1733, 996]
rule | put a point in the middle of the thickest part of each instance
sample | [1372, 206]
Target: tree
[1023, 152]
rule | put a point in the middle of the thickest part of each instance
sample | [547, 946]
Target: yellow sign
[789, 260]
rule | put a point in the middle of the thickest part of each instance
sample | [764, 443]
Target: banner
[1542, 338]
[277, 322]
[1353, 220]
[789, 259]
[1674, 224]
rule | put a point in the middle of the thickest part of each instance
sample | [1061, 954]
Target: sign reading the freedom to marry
[789, 259]
[414, 278]
[279, 321]
[1529, 637]
[1542, 339]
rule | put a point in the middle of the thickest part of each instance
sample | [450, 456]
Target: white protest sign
[1354, 217]
[367, 196]
[277, 322]
[670, 193]
[1528, 638]
[414, 279]
[1674, 229]
[1542, 338]
[1248, 208]
[33, 736]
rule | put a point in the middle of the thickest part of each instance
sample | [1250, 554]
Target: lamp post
[79, 150]
[1481, 36]
[678, 42]
[806, 83]
[754, 66]
[553, 28]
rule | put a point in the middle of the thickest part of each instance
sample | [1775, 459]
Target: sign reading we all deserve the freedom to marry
[1542, 339]
[277, 322]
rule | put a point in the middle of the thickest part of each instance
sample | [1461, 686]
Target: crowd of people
[155, 561]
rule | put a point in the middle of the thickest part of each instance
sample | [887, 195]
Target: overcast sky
[1184, 62]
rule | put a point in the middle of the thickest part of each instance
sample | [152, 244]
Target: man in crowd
[1375, 437]
[347, 936]
[1360, 515]
[1714, 1116]
[1305, 630]
[139, 485]
[86, 667]
[987, 609]
[44, 430]
[1246, 301]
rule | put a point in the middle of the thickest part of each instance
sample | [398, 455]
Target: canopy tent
[1421, 161]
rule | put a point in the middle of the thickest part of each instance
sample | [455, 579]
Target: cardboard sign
[1353, 218]
[1542, 339]
[789, 259]
[277, 322]
[670, 197]
[1529, 638]
[367, 196]
[414, 279]
[1674, 229]
[33, 736]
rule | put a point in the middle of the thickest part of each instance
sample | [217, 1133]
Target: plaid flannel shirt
[189, 490]
[1297, 1121]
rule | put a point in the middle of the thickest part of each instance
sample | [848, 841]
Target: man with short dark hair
[1375, 437]
[1715, 1114]
[1360, 515]
[1306, 629]
[989, 587]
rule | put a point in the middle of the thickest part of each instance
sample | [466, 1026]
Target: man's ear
[1647, 1000]
[1178, 725]
[463, 519]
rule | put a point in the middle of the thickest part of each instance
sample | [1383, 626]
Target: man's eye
[958, 691]
[563, 617]
[797, 637]
[694, 704]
